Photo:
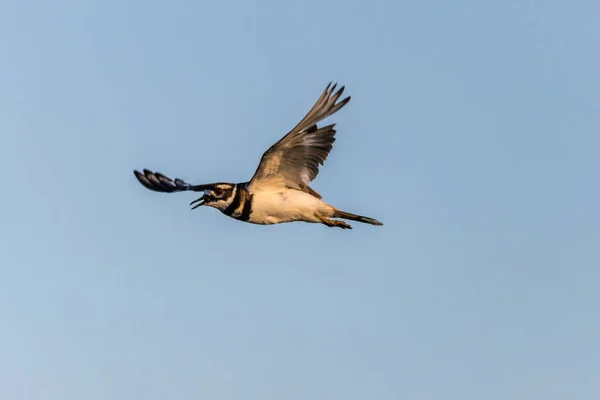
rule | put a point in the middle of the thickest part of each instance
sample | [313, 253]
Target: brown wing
[294, 160]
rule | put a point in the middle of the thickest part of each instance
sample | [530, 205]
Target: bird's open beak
[200, 202]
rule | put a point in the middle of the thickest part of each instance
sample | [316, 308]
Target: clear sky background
[473, 134]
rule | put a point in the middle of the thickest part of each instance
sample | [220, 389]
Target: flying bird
[279, 191]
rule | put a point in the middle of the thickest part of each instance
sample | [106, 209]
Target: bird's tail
[354, 217]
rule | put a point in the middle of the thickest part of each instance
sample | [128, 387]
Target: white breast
[287, 205]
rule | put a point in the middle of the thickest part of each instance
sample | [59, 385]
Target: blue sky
[472, 134]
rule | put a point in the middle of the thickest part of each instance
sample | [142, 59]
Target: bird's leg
[332, 222]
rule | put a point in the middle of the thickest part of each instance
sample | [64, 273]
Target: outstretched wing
[160, 183]
[294, 160]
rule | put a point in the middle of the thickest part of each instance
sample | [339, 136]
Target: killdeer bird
[278, 192]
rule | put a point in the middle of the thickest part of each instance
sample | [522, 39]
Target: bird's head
[217, 195]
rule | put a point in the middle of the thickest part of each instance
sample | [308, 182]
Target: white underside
[286, 206]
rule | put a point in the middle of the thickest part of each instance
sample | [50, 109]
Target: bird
[279, 190]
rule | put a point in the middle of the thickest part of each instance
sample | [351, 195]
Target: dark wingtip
[345, 101]
[143, 180]
[137, 175]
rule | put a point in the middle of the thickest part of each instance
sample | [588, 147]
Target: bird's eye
[218, 192]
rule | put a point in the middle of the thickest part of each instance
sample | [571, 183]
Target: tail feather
[354, 217]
